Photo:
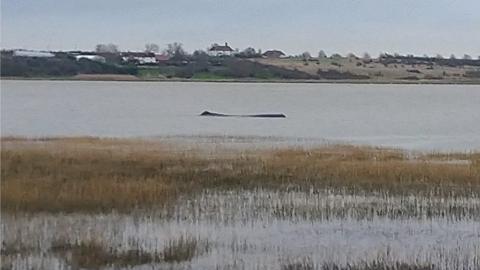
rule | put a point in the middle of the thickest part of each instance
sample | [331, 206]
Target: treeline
[58, 66]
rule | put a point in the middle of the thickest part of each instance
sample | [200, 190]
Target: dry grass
[101, 175]
[375, 70]
[379, 265]
[185, 248]
[297, 264]
[93, 255]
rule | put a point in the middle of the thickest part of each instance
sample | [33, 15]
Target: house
[140, 58]
[162, 58]
[92, 57]
[273, 54]
[28, 53]
[220, 50]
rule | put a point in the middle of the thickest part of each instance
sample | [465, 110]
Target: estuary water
[415, 117]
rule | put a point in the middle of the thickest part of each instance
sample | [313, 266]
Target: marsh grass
[304, 263]
[101, 175]
[379, 265]
[94, 255]
[184, 248]
[17, 248]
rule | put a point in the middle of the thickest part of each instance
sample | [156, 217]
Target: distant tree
[248, 53]
[478, 57]
[306, 55]
[152, 48]
[336, 56]
[322, 54]
[396, 55]
[439, 56]
[366, 56]
[467, 57]
[175, 51]
[452, 56]
[426, 56]
[200, 56]
[106, 48]
[200, 59]
[352, 55]
[199, 53]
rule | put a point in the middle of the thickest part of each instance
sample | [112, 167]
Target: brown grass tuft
[184, 248]
[94, 255]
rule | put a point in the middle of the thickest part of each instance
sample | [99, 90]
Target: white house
[220, 50]
[139, 58]
[28, 53]
[97, 58]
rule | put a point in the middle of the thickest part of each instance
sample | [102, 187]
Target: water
[260, 229]
[419, 117]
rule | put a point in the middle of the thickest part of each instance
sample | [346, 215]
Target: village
[222, 62]
[152, 55]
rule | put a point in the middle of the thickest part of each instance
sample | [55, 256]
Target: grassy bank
[98, 175]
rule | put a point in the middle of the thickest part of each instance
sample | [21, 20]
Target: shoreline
[229, 144]
[138, 79]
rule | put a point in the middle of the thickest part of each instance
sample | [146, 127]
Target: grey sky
[403, 26]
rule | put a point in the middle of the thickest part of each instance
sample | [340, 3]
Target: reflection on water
[260, 229]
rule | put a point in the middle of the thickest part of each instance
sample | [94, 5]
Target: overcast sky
[294, 26]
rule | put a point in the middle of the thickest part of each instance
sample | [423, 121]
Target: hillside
[385, 69]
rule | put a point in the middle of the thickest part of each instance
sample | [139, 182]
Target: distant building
[162, 58]
[92, 57]
[273, 54]
[140, 58]
[220, 50]
[28, 53]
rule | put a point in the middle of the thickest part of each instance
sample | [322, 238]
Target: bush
[332, 74]
[472, 74]
[60, 65]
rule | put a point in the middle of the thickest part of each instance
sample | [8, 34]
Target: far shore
[131, 78]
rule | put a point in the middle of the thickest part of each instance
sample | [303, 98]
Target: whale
[264, 115]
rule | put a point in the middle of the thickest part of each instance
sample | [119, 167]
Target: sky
[336, 26]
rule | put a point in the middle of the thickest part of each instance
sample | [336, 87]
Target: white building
[146, 60]
[28, 53]
[97, 58]
[220, 50]
[139, 58]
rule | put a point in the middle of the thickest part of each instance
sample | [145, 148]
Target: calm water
[423, 117]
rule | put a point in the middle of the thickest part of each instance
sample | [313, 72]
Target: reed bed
[101, 175]
[89, 203]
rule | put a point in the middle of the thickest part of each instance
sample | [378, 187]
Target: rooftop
[222, 48]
